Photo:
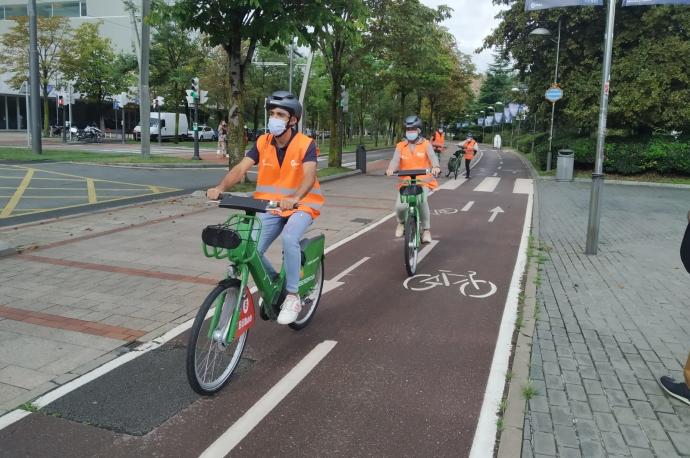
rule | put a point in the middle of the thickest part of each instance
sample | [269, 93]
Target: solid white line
[426, 250]
[485, 435]
[244, 425]
[467, 207]
[523, 186]
[488, 184]
[350, 269]
[11, 417]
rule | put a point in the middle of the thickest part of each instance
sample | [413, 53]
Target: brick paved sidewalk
[609, 325]
[102, 282]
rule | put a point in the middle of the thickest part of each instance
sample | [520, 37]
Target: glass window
[67, 9]
[3, 113]
[15, 11]
[22, 113]
[83, 8]
[12, 112]
[44, 9]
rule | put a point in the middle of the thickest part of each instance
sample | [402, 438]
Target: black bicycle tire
[298, 326]
[410, 234]
[194, 334]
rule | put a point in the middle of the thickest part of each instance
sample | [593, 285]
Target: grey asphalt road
[33, 192]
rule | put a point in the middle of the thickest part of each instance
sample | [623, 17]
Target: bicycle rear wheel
[211, 362]
[411, 245]
[310, 302]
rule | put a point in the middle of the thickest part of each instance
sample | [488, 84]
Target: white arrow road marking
[334, 282]
[244, 425]
[426, 250]
[495, 174]
[467, 207]
[495, 212]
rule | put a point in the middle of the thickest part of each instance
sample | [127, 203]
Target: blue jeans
[292, 228]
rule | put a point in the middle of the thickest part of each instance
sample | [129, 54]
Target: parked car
[167, 126]
[205, 133]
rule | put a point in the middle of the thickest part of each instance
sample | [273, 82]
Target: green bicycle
[219, 333]
[412, 194]
[454, 164]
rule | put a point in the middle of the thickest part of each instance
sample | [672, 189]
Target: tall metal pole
[553, 104]
[290, 76]
[34, 80]
[598, 175]
[69, 107]
[160, 128]
[28, 114]
[144, 99]
[196, 126]
[303, 89]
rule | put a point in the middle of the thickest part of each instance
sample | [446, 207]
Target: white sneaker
[399, 230]
[290, 309]
[426, 236]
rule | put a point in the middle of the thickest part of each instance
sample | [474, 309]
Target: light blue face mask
[411, 136]
[277, 126]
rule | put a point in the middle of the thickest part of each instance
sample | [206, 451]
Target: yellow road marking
[14, 200]
[91, 189]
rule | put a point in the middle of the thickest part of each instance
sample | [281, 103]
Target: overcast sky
[472, 20]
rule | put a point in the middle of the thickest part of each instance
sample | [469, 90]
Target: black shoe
[678, 390]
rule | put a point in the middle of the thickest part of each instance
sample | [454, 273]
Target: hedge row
[626, 156]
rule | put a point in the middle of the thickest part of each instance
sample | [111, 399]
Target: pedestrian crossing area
[490, 184]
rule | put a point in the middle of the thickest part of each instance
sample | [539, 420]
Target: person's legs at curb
[295, 228]
[467, 167]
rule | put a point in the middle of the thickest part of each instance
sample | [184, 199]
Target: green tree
[239, 26]
[650, 76]
[89, 61]
[499, 81]
[335, 29]
[175, 59]
[52, 34]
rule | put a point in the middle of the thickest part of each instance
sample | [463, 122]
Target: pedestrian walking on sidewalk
[681, 390]
[222, 139]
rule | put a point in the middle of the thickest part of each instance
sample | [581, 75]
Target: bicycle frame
[245, 261]
[413, 202]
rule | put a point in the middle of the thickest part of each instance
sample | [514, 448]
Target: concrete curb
[338, 176]
[510, 439]
[6, 249]
[624, 182]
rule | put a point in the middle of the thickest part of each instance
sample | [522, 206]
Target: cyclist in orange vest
[470, 146]
[438, 141]
[287, 162]
[415, 153]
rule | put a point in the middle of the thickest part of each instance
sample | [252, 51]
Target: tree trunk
[236, 141]
[335, 154]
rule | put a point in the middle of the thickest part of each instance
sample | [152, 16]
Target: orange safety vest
[469, 149]
[276, 182]
[438, 139]
[416, 160]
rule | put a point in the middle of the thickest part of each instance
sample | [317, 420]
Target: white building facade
[116, 25]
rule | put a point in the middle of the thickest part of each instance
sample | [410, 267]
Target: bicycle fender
[228, 282]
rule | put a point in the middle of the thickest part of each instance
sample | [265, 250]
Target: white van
[167, 126]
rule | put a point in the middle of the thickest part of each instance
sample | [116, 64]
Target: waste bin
[565, 164]
[361, 158]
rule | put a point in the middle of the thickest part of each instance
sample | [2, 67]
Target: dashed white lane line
[488, 184]
[523, 186]
[244, 425]
[426, 250]
[334, 282]
[467, 207]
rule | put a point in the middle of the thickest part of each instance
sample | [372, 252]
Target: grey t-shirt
[395, 162]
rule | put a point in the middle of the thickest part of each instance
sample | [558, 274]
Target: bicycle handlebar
[237, 202]
[413, 172]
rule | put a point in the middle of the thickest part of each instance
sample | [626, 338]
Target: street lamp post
[546, 32]
[483, 113]
[493, 121]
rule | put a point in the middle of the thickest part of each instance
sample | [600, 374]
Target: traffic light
[61, 101]
[195, 88]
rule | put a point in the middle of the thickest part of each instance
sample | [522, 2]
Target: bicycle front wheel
[411, 245]
[210, 360]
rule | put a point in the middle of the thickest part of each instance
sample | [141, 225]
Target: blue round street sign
[554, 94]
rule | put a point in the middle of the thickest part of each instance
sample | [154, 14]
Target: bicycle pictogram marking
[468, 285]
[445, 211]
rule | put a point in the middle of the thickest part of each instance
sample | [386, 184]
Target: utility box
[565, 165]
[361, 158]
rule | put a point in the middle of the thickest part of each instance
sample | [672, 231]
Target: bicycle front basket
[220, 236]
[411, 190]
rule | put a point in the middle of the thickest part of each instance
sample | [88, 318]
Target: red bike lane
[408, 371]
